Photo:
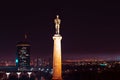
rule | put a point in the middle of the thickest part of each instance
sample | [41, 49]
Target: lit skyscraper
[23, 55]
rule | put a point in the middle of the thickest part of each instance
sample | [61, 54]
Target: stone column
[57, 61]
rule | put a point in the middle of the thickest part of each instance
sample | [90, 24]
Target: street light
[7, 73]
[29, 74]
[18, 73]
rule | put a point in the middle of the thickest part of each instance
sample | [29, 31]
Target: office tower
[23, 55]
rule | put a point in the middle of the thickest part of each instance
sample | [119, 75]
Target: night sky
[89, 29]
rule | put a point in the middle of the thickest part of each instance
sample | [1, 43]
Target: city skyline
[88, 29]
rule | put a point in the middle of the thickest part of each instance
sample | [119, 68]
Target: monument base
[57, 79]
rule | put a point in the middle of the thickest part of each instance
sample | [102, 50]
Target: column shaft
[57, 67]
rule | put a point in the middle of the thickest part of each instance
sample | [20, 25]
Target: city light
[103, 65]
[16, 60]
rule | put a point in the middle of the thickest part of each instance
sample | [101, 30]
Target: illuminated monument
[23, 55]
[57, 67]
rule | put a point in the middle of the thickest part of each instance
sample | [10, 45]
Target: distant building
[23, 55]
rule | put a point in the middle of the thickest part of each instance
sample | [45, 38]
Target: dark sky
[89, 29]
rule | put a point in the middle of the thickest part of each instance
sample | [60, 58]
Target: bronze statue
[57, 24]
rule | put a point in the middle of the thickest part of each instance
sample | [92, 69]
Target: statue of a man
[57, 24]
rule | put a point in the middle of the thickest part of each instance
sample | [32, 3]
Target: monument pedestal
[57, 67]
